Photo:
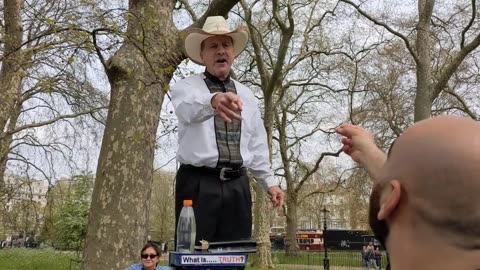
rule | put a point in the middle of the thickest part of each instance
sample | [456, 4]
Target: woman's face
[150, 258]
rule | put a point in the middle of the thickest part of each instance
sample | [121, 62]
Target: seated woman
[150, 256]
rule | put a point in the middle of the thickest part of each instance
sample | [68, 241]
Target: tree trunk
[11, 76]
[424, 96]
[291, 244]
[7, 139]
[138, 73]
[270, 83]
[291, 200]
[263, 258]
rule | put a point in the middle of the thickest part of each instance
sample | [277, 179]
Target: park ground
[49, 259]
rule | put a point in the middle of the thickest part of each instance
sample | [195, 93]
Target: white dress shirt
[196, 129]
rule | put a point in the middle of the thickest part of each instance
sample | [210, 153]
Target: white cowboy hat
[214, 26]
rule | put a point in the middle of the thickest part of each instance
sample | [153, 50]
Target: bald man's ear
[389, 200]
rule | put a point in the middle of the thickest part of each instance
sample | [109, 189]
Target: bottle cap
[187, 202]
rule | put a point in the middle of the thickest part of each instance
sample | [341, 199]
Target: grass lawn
[34, 259]
[49, 259]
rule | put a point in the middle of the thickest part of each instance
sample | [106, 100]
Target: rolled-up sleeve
[191, 106]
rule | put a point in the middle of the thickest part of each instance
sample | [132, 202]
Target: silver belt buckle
[222, 174]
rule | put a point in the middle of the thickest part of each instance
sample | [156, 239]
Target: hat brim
[195, 37]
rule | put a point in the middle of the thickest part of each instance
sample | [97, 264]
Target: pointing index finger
[347, 130]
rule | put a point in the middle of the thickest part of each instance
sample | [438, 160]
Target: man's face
[379, 227]
[217, 54]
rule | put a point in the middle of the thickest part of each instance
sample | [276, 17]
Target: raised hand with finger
[359, 144]
[227, 105]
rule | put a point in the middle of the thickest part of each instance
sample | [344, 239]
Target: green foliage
[166, 88]
[73, 216]
[162, 208]
[72, 224]
[67, 216]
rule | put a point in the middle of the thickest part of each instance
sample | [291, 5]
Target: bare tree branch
[53, 120]
[216, 8]
[315, 167]
[388, 28]
[287, 33]
[188, 8]
[470, 23]
[448, 71]
[257, 42]
[466, 108]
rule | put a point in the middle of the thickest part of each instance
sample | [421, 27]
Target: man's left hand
[277, 196]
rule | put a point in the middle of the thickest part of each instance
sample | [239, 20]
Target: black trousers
[223, 209]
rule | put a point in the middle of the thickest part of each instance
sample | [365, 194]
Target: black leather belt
[225, 174]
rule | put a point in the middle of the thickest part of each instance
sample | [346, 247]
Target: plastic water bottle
[186, 229]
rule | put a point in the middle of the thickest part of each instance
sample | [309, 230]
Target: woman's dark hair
[151, 245]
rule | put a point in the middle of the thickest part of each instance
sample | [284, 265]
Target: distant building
[31, 197]
[339, 216]
[24, 189]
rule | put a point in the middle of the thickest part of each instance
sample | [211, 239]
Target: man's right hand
[227, 105]
[358, 143]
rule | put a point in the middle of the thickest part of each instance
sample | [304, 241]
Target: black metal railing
[338, 260]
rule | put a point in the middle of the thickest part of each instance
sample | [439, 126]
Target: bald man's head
[436, 163]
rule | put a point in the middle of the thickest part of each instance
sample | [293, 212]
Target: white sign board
[213, 259]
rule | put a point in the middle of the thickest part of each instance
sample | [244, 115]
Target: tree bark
[291, 245]
[424, 97]
[263, 257]
[6, 140]
[11, 76]
[138, 74]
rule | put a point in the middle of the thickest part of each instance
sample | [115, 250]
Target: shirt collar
[215, 79]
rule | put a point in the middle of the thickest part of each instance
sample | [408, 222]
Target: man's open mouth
[221, 61]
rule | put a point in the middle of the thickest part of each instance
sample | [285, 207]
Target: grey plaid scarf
[227, 134]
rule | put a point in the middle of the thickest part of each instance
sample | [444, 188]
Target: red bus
[310, 240]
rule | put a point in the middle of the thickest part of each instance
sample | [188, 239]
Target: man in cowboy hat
[221, 134]
[424, 206]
